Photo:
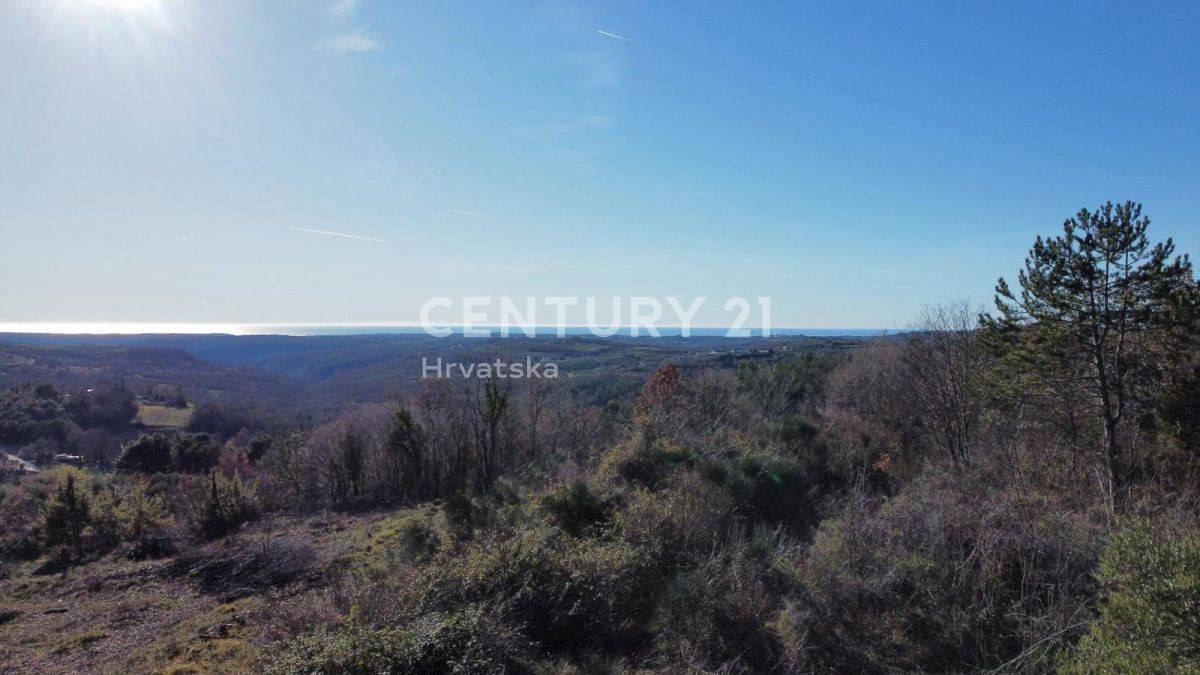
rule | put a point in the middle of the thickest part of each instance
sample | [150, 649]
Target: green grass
[164, 417]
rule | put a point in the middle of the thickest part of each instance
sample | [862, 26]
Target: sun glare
[139, 14]
[126, 5]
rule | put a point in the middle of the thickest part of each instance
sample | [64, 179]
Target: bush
[1148, 614]
[641, 464]
[574, 507]
[565, 594]
[938, 577]
[144, 519]
[717, 616]
[147, 454]
[466, 641]
[689, 515]
[410, 537]
[195, 453]
[20, 509]
[779, 490]
[220, 504]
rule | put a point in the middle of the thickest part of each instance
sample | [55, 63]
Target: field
[155, 416]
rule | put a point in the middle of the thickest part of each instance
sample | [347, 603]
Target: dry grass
[118, 615]
[155, 416]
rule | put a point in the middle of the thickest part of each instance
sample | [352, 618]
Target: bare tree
[942, 361]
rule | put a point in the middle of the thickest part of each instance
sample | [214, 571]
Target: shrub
[147, 454]
[65, 517]
[465, 641]
[144, 519]
[1148, 614]
[574, 507]
[460, 513]
[195, 453]
[938, 577]
[20, 510]
[220, 504]
[689, 515]
[565, 594]
[716, 616]
[409, 537]
[774, 489]
[644, 465]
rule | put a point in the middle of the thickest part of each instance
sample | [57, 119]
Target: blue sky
[177, 160]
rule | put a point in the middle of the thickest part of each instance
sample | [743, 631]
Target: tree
[195, 453]
[1099, 313]
[942, 363]
[346, 469]
[66, 516]
[143, 517]
[148, 454]
[405, 449]
[495, 403]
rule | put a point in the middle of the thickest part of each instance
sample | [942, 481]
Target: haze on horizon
[172, 161]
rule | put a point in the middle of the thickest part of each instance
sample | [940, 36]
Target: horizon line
[104, 328]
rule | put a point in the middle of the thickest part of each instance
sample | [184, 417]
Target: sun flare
[126, 5]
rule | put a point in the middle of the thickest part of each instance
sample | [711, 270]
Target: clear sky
[189, 160]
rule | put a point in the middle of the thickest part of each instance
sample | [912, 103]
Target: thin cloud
[351, 43]
[468, 213]
[614, 36]
[343, 235]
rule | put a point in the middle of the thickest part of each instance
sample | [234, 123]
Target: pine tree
[66, 516]
[1100, 313]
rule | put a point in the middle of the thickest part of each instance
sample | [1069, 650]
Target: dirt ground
[117, 615]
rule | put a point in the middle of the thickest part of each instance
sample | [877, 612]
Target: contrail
[614, 36]
[468, 213]
[339, 234]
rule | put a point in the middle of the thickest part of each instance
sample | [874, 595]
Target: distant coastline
[304, 330]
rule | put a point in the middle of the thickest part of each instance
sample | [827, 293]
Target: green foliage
[409, 537]
[258, 447]
[102, 406]
[30, 412]
[147, 454]
[143, 519]
[1179, 409]
[195, 453]
[104, 531]
[769, 488]
[66, 516]
[643, 465]
[220, 504]
[688, 516]
[574, 507]
[565, 593]
[1150, 611]
[1104, 310]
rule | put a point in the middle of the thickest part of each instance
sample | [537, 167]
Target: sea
[138, 328]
